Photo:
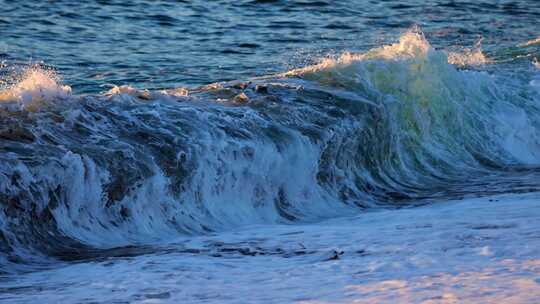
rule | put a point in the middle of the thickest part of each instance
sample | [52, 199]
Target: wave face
[395, 126]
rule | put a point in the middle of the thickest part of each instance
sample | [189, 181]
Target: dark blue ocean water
[165, 44]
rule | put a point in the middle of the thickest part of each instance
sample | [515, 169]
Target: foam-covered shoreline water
[481, 250]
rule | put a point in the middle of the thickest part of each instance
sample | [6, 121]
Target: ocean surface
[270, 151]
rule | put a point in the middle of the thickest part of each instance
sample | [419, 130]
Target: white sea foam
[469, 251]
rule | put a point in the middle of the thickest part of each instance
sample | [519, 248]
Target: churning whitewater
[398, 125]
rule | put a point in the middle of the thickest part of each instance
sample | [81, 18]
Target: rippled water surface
[163, 44]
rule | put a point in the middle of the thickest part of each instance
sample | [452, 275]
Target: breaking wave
[398, 125]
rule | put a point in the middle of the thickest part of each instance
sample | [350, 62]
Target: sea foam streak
[385, 128]
[530, 42]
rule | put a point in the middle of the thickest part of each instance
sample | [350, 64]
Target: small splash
[34, 86]
[411, 44]
[469, 56]
[536, 63]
